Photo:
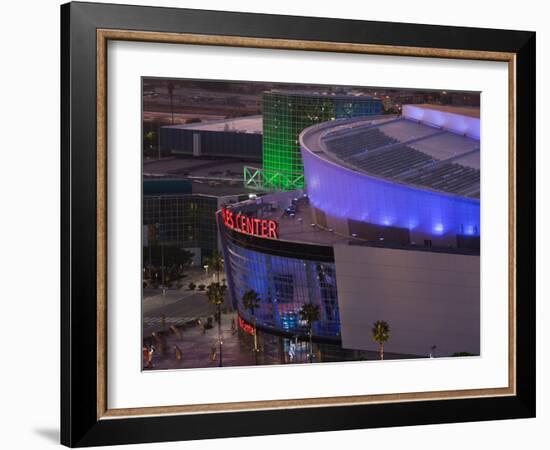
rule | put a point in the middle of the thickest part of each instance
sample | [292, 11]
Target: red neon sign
[245, 326]
[263, 228]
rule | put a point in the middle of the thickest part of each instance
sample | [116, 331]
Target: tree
[150, 137]
[215, 292]
[381, 334]
[310, 313]
[180, 258]
[215, 263]
[251, 301]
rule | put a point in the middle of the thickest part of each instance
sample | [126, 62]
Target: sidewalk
[196, 348]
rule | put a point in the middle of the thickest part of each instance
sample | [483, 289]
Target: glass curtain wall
[285, 115]
[284, 285]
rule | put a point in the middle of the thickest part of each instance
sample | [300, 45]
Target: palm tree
[381, 334]
[215, 293]
[310, 313]
[251, 301]
[215, 262]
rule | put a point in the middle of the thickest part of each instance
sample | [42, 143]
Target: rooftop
[247, 124]
[292, 227]
[215, 177]
[400, 149]
[335, 95]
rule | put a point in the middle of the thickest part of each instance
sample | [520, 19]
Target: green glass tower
[286, 114]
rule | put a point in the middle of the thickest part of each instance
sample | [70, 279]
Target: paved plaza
[181, 342]
[193, 347]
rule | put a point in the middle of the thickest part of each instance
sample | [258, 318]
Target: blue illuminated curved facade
[284, 285]
[342, 195]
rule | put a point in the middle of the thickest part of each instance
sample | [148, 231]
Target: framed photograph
[277, 224]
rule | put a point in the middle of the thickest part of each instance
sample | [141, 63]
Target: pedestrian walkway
[195, 346]
[167, 320]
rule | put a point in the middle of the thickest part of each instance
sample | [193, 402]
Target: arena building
[386, 228]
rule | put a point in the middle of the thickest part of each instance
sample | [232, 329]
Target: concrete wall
[391, 234]
[427, 298]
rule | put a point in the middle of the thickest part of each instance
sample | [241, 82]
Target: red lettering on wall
[245, 326]
[272, 225]
[264, 228]
[227, 217]
[249, 225]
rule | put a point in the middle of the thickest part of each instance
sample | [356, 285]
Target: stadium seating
[372, 151]
[349, 145]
